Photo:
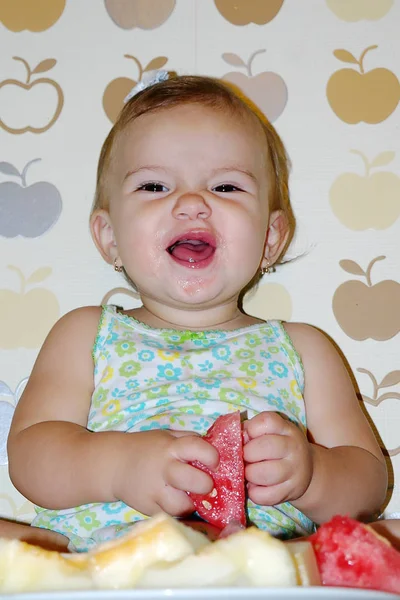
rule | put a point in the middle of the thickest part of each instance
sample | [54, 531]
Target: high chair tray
[311, 593]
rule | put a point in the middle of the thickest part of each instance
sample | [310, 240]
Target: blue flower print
[278, 369]
[152, 343]
[222, 352]
[117, 393]
[162, 401]
[153, 425]
[111, 337]
[168, 371]
[265, 354]
[208, 383]
[111, 508]
[132, 384]
[276, 401]
[134, 408]
[183, 388]
[206, 366]
[146, 355]
[133, 397]
[201, 425]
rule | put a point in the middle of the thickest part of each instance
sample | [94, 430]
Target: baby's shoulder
[312, 344]
[77, 324]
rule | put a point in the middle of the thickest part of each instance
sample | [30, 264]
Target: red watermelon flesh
[226, 502]
[349, 554]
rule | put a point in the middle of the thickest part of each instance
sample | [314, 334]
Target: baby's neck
[224, 318]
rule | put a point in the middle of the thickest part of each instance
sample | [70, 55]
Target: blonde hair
[208, 92]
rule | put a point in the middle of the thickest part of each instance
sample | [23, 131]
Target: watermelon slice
[226, 502]
[350, 554]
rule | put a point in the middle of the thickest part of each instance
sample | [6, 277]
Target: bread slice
[27, 568]
[247, 558]
[120, 563]
[159, 552]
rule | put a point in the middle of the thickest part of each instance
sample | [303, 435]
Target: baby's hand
[161, 476]
[278, 460]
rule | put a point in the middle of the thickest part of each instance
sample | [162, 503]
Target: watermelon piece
[226, 502]
[350, 554]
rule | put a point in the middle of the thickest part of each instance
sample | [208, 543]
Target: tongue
[192, 252]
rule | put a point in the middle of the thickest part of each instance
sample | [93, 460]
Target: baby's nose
[191, 206]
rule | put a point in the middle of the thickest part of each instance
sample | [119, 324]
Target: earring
[268, 269]
[117, 268]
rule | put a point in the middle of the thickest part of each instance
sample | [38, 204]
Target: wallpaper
[325, 72]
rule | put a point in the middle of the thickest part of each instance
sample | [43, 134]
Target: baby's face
[189, 204]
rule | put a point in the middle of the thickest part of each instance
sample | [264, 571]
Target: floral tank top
[147, 378]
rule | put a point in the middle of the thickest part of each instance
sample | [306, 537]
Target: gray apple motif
[27, 210]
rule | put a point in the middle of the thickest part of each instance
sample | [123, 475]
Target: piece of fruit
[226, 501]
[350, 554]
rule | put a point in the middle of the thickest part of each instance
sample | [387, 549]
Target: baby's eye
[226, 188]
[153, 186]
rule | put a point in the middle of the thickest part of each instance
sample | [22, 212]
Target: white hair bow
[149, 78]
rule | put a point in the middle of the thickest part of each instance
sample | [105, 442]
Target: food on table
[159, 552]
[226, 501]
[351, 554]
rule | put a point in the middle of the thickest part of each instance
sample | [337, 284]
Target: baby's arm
[349, 474]
[49, 540]
[56, 462]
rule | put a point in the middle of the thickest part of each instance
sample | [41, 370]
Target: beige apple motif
[365, 310]
[269, 301]
[118, 89]
[354, 96]
[243, 12]
[356, 10]
[21, 15]
[267, 90]
[390, 380]
[368, 201]
[145, 14]
[27, 316]
[25, 512]
[44, 65]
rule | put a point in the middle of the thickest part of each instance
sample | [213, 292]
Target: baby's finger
[191, 448]
[266, 473]
[175, 502]
[266, 422]
[266, 447]
[269, 496]
[187, 478]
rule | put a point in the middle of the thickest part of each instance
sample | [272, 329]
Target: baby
[192, 206]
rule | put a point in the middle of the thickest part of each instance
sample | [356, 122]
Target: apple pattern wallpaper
[325, 72]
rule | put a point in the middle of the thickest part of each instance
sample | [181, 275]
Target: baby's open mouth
[194, 249]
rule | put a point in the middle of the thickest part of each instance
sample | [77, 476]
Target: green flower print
[232, 396]
[157, 391]
[251, 367]
[100, 397]
[87, 520]
[294, 409]
[129, 368]
[252, 340]
[124, 347]
[244, 354]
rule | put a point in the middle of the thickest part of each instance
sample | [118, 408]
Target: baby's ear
[277, 235]
[103, 235]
